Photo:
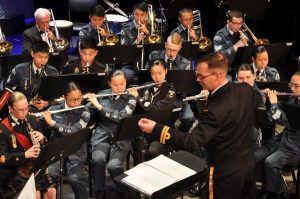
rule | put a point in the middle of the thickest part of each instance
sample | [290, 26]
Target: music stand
[292, 113]
[119, 54]
[8, 62]
[58, 150]
[277, 54]
[53, 86]
[182, 80]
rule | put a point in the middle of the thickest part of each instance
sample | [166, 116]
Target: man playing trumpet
[186, 29]
[136, 30]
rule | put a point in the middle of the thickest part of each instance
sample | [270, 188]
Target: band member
[110, 111]
[95, 26]
[20, 141]
[136, 30]
[26, 77]
[86, 63]
[274, 155]
[246, 74]
[225, 130]
[65, 123]
[264, 73]
[185, 28]
[43, 32]
[160, 97]
[228, 39]
[171, 54]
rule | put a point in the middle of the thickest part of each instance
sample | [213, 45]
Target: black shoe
[197, 189]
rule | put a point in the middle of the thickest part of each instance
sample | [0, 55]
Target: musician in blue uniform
[96, 25]
[26, 77]
[185, 28]
[275, 155]
[65, 123]
[87, 63]
[110, 110]
[264, 73]
[228, 39]
[20, 134]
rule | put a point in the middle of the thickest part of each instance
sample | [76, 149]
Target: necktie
[170, 64]
[257, 73]
[236, 37]
[37, 74]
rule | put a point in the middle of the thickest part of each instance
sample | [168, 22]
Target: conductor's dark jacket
[225, 130]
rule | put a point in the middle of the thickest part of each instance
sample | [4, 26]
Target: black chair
[79, 12]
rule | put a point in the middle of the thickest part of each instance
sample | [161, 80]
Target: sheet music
[29, 191]
[156, 174]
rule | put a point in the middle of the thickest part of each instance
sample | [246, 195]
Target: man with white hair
[41, 31]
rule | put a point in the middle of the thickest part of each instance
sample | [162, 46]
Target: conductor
[224, 129]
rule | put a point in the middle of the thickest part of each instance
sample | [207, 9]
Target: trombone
[153, 38]
[60, 43]
[5, 46]
[110, 39]
[255, 39]
[204, 42]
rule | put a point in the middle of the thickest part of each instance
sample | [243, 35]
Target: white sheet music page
[171, 167]
[147, 179]
[156, 174]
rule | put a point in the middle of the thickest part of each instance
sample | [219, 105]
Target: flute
[195, 97]
[282, 93]
[57, 111]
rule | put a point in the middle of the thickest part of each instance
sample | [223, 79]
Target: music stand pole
[61, 175]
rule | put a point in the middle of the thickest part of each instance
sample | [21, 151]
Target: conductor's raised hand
[146, 125]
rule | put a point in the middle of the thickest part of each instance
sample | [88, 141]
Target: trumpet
[203, 94]
[5, 46]
[60, 43]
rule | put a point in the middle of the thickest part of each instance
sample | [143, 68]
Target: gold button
[17, 159]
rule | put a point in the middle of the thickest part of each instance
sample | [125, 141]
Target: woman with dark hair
[63, 124]
[110, 110]
[157, 98]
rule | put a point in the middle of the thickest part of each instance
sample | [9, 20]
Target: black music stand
[277, 54]
[58, 150]
[53, 86]
[182, 157]
[182, 80]
[8, 62]
[119, 54]
[292, 113]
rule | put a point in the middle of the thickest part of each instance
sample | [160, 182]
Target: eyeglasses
[73, 100]
[237, 23]
[294, 85]
[21, 110]
[202, 77]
